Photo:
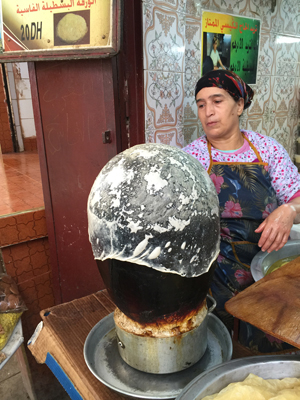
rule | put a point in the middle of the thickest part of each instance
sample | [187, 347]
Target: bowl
[263, 260]
[267, 367]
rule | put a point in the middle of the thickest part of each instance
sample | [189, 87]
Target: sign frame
[77, 52]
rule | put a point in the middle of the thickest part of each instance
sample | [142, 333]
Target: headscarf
[228, 81]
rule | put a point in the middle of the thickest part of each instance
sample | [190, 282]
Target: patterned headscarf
[228, 81]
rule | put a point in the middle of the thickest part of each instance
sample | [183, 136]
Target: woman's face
[215, 46]
[218, 112]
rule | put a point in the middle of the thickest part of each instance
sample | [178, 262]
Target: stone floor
[20, 182]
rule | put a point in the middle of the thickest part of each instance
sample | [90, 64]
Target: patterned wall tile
[265, 55]
[164, 98]
[262, 93]
[22, 227]
[212, 5]
[265, 11]
[286, 58]
[289, 10]
[226, 6]
[275, 109]
[175, 5]
[163, 39]
[29, 265]
[193, 8]
[193, 46]
[192, 132]
[25, 261]
[294, 109]
[190, 110]
[173, 137]
[277, 21]
[283, 91]
[244, 119]
[294, 119]
[268, 117]
[255, 124]
[281, 132]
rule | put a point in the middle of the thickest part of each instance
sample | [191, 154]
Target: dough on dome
[155, 205]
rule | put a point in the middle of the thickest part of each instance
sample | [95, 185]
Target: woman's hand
[276, 228]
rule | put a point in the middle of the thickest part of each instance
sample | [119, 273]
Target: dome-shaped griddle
[155, 205]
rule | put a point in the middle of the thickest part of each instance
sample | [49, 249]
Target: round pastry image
[71, 28]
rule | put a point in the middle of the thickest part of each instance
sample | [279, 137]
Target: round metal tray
[263, 260]
[102, 358]
[217, 378]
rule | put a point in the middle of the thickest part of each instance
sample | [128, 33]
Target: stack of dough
[256, 388]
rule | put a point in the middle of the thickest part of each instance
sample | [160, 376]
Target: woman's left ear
[240, 106]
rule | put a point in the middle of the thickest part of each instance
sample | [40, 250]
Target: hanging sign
[59, 29]
[230, 42]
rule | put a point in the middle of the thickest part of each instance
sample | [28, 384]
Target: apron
[246, 198]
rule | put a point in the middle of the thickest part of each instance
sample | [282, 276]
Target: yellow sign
[230, 42]
[60, 25]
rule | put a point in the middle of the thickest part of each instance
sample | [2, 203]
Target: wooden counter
[61, 340]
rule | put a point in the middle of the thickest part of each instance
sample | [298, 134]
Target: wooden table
[60, 343]
[62, 337]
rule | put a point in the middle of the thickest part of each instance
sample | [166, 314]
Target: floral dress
[246, 198]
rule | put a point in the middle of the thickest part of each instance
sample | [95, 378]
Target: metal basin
[263, 260]
[217, 378]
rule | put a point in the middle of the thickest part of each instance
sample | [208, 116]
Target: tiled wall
[20, 92]
[172, 52]
[25, 251]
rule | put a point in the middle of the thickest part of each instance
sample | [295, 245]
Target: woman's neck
[232, 143]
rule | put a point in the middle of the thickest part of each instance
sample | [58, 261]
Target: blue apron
[246, 198]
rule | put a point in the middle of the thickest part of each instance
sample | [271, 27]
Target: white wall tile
[16, 112]
[20, 138]
[9, 67]
[23, 89]
[25, 108]
[23, 68]
[28, 127]
[12, 87]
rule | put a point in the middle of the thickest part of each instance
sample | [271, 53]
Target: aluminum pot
[164, 355]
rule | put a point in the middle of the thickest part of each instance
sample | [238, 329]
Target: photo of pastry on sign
[72, 28]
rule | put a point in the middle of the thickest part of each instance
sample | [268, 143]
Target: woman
[258, 188]
[214, 55]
